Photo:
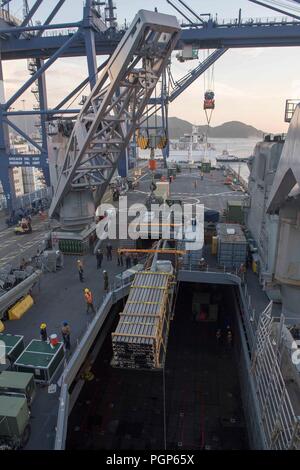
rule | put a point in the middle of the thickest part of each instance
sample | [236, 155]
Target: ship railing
[60, 32]
[280, 423]
[195, 266]
[27, 199]
[234, 22]
[258, 21]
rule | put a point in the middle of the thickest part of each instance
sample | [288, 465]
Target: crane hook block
[142, 139]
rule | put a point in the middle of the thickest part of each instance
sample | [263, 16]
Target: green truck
[14, 422]
[18, 384]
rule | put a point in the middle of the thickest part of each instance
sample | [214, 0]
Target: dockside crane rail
[110, 114]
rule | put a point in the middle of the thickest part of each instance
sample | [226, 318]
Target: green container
[14, 345]
[206, 167]
[40, 359]
[18, 383]
[235, 212]
[14, 416]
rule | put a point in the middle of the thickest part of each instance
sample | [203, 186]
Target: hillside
[232, 129]
[177, 128]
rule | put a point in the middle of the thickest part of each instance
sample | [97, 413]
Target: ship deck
[60, 295]
[198, 398]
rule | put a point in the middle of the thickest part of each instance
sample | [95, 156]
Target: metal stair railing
[279, 422]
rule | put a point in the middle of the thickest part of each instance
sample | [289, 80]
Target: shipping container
[232, 245]
[41, 359]
[235, 212]
[206, 167]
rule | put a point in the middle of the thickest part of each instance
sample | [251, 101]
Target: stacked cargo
[232, 245]
[73, 247]
[140, 339]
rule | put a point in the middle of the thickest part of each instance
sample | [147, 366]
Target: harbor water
[238, 147]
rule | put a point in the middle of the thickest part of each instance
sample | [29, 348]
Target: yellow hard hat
[86, 290]
[43, 326]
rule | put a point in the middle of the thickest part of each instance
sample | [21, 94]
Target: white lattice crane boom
[110, 114]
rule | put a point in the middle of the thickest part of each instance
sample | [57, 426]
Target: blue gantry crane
[98, 34]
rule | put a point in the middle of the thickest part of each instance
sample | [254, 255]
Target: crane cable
[209, 84]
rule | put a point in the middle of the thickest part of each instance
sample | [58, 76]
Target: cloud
[14, 81]
[223, 89]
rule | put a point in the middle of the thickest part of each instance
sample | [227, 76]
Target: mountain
[228, 130]
[177, 128]
[235, 129]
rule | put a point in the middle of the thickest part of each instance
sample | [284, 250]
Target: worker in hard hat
[43, 332]
[109, 249]
[99, 258]
[89, 300]
[80, 270]
[65, 332]
[106, 281]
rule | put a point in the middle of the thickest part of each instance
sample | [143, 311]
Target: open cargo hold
[232, 245]
[140, 339]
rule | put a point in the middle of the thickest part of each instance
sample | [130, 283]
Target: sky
[251, 85]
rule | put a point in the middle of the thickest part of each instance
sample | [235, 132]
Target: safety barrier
[27, 199]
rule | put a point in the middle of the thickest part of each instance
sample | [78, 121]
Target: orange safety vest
[88, 297]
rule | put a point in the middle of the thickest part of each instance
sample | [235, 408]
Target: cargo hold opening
[124, 409]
